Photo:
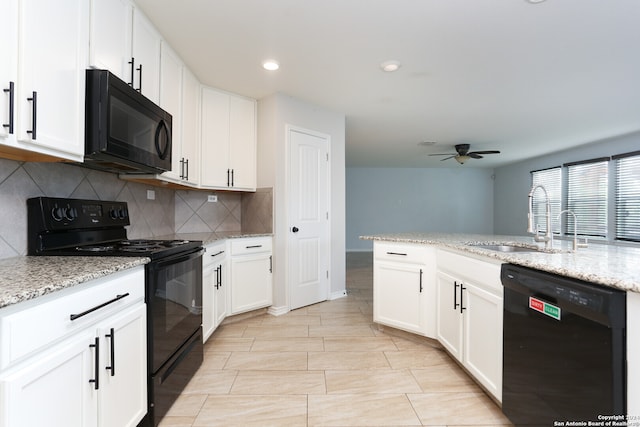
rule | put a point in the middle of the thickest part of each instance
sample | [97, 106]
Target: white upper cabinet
[8, 67]
[49, 85]
[146, 55]
[228, 141]
[171, 69]
[190, 142]
[110, 39]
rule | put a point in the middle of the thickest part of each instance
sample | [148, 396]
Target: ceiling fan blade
[485, 152]
[447, 158]
[442, 154]
[475, 155]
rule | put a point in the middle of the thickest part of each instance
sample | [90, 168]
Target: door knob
[295, 229]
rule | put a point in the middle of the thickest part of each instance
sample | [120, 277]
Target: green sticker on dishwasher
[544, 308]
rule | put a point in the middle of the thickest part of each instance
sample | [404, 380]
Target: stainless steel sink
[506, 248]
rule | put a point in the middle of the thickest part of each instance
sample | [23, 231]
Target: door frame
[288, 129]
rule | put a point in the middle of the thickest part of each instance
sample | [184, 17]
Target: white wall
[275, 112]
[450, 200]
[513, 182]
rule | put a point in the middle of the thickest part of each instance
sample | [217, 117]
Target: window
[628, 197]
[587, 188]
[551, 180]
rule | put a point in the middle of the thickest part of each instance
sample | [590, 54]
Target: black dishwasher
[564, 349]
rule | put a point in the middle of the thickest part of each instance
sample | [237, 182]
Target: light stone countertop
[23, 278]
[609, 265]
[26, 277]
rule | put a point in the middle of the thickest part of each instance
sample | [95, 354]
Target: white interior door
[308, 217]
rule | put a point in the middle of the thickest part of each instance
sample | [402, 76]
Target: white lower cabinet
[251, 274]
[469, 312]
[90, 371]
[403, 287]
[215, 285]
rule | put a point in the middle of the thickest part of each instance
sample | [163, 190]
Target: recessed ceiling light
[390, 66]
[270, 65]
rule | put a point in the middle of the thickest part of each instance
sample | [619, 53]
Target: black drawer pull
[217, 253]
[396, 253]
[254, 246]
[98, 307]
[11, 92]
[420, 280]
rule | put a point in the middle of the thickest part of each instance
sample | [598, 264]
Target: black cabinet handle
[228, 177]
[97, 307]
[96, 368]
[396, 253]
[455, 295]
[34, 109]
[186, 175]
[112, 368]
[232, 177]
[420, 280]
[139, 78]
[217, 253]
[11, 92]
[219, 276]
[270, 263]
[253, 246]
[462, 307]
[132, 62]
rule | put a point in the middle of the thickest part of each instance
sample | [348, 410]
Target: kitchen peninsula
[471, 263]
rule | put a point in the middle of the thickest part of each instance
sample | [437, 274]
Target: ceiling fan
[463, 154]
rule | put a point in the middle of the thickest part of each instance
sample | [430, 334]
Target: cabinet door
[110, 38]
[250, 282]
[242, 142]
[146, 53]
[9, 63]
[398, 296]
[214, 169]
[483, 337]
[123, 385]
[209, 280]
[171, 100]
[449, 326]
[54, 390]
[191, 125]
[221, 294]
[53, 54]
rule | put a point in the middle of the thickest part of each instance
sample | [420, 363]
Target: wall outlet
[151, 195]
[212, 198]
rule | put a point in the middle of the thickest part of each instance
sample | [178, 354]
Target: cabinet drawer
[215, 252]
[251, 245]
[483, 273]
[401, 252]
[24, 331]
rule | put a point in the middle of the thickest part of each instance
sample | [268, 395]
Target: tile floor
[328, 365]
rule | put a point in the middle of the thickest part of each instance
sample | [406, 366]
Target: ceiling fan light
[462, 159]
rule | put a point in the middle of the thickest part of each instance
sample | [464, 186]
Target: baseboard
[338, 294]
[278, 311]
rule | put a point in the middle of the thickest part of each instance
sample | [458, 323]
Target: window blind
[551, 180]
[587, 184]
[628, 198]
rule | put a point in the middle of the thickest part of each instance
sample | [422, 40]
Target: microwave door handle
[162, 151]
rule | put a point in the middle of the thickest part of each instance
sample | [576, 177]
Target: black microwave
[125, 132]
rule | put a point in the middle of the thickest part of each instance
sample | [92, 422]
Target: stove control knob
[57, 213]
[113, 213]
[122, 213]
[70, 213]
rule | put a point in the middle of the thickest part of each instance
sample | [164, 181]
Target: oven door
[174, 302]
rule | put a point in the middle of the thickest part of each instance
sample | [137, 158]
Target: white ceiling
[523, 78]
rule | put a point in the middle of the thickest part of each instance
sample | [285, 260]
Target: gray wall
[512, 182]
[384, 200]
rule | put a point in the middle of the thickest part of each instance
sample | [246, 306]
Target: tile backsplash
[171, 211]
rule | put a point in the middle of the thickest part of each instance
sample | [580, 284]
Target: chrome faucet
[576, 245]
[548, 237]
